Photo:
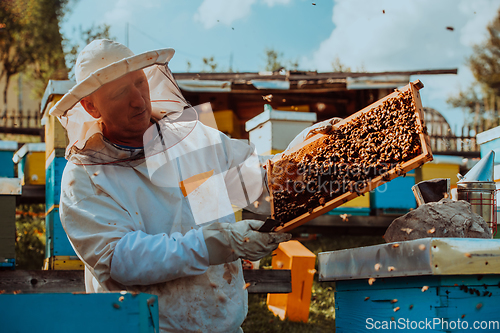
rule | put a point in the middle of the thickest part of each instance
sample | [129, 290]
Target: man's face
[124, 106]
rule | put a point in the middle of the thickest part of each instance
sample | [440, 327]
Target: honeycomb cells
[347, 159]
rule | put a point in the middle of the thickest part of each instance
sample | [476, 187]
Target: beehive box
[9, 188]
[57, 242]
[371, 147]
[67, 312]
[391, 286]
[272, 130]
[7, 149]
[394, 197]
[54, 168]
[30, 161]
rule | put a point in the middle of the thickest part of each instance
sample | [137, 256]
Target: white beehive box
[272, 130]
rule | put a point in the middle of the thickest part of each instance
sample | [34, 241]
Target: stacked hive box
[9, 187]
[59, 253]
[373, 146]
[272, 130]
[30, 160]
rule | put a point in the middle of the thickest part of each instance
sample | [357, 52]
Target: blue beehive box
[7, 149]
[388, 287]
[490, 140]
[395, 196]
[57, 242]
[53, 175]
[77, 313]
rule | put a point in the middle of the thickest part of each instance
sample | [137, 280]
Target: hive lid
[482, 171]
[425, 256]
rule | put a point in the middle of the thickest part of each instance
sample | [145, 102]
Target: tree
[481, 101]
[30, 37]
[275, 61]
[86, 36]
[30, 237]
[210, 62]
[338, 66]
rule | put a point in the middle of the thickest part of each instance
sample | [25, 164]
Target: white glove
[227, 242]
[323, 127]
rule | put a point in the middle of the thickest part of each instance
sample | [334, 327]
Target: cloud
[125, 10]
[226, 12]
[408, 36]
[272, 3]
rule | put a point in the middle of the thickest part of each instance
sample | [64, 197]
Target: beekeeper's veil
[101, 62]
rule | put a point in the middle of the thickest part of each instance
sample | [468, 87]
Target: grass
[322, 307]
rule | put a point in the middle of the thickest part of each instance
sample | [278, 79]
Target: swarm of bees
[346, 159]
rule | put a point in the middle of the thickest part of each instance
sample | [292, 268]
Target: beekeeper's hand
[227, 242]
[323, 127]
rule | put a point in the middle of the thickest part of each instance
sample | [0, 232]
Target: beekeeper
[147, 191]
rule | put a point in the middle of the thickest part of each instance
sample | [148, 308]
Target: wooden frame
[403, 168]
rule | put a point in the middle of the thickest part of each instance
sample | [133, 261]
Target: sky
[369, 35]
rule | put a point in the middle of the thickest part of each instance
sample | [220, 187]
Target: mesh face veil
[170, 112]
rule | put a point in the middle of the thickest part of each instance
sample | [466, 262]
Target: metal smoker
[478, 188]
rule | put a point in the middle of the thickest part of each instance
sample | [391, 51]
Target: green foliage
[30, 40]
[275, 61]
[210, 64]
[30, 237]
[86, 36]
[260, 319]
[481, 101]
[338, 66]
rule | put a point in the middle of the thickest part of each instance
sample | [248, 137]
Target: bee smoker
[478, 188]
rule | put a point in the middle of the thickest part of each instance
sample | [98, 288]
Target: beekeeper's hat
[101, 62]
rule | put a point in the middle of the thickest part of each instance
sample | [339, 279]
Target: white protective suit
[131, 218]
[135, 235]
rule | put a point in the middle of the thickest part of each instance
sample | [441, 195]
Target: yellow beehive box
[55, 134]
[64, 263]
[443, 166]
[226, 121]
[238, 213]
[295, 305]
[361, 201]
[30, 160]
